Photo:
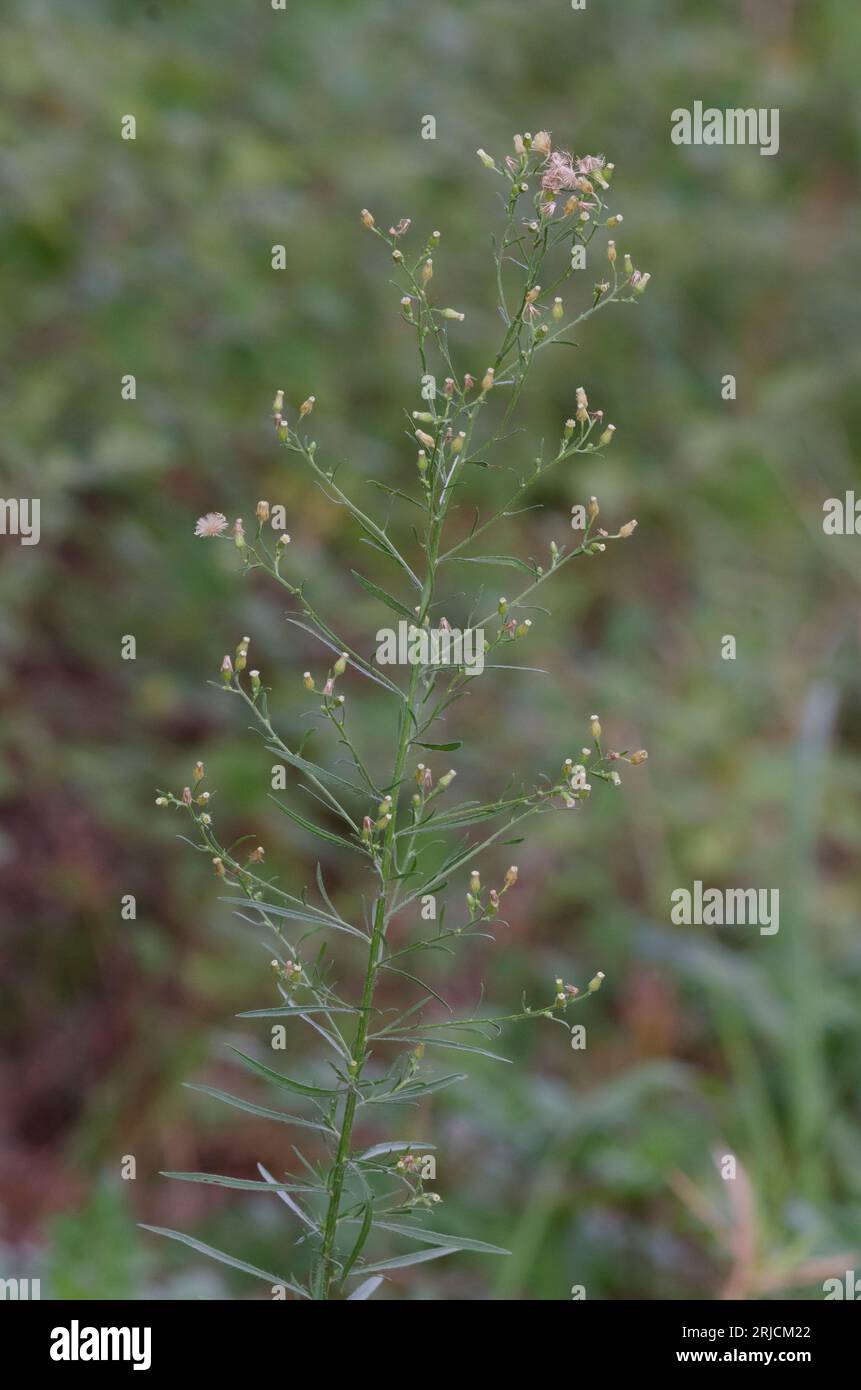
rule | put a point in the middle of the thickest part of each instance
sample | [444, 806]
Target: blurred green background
[257, 127]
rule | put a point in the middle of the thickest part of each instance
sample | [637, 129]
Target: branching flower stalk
[554, 208]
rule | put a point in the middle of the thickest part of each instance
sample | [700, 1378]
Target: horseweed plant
[394, 822]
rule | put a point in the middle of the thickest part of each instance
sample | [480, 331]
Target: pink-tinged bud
[427, 780]
[307, 406]
[487, 380]
[329, 687]
[468, 382]
[256, 855]
[367, 827]
[262, 512]
[541, 142]
[628, 529]
[494, 898]
[427, 271]
[239, 534]
[426, 439]
[199, 773]
[448, 386]
[639, 757]
[367, 218]
[186, 795]
[642, 282]
[519, 147]
[226, 670]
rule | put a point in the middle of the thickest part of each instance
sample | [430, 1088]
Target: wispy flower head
[210, 525]
[559, 172]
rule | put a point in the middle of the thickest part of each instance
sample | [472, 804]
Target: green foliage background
[152, 257]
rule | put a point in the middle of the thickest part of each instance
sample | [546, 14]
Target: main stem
[326, 1272]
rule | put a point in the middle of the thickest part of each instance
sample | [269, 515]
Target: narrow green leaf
[241, 1184]
[510, 560]
[378, 593]
[478, 1247]
[365, 1290]
[263, 1111]
[313, 829]
[440, 747]
[367, 1222]
[415, 1090]
[298, 1086]
[292, 1010]
[417, 1257]
[393, 1147]
[224, 1259]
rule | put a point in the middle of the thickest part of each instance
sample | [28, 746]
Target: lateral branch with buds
[555, 205]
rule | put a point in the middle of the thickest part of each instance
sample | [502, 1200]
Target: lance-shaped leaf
[300, 1088]
[478, 1247]
[263, 1111]
[417, 1257]
[317, 919]
[378, 593]
[365, 1290]
[511, 560]
[224, 1259]
[242, 1184]
[415, 1090]
[286, 1198]
[313, 829]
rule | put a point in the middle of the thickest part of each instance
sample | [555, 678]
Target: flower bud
[611, 252]
[453, 314]
[558, 310]
[486, 159]
[278, 403]
[447, 779]
[595, 725]
[595, 982]
[307, 406]
[458, 442]
[639, 757]
[592, 508]
[308, 681]
[262, 512]
[198, 773]
[426, 439]
[541, 142]
[628, 529]
[427, 271]
[341, 664]
[511, 876]
[367, 218]
[487, 380]
[475, 882]
[629, 265]
[218, 866]
[239, 534]
[226, 670]
[607, 436]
